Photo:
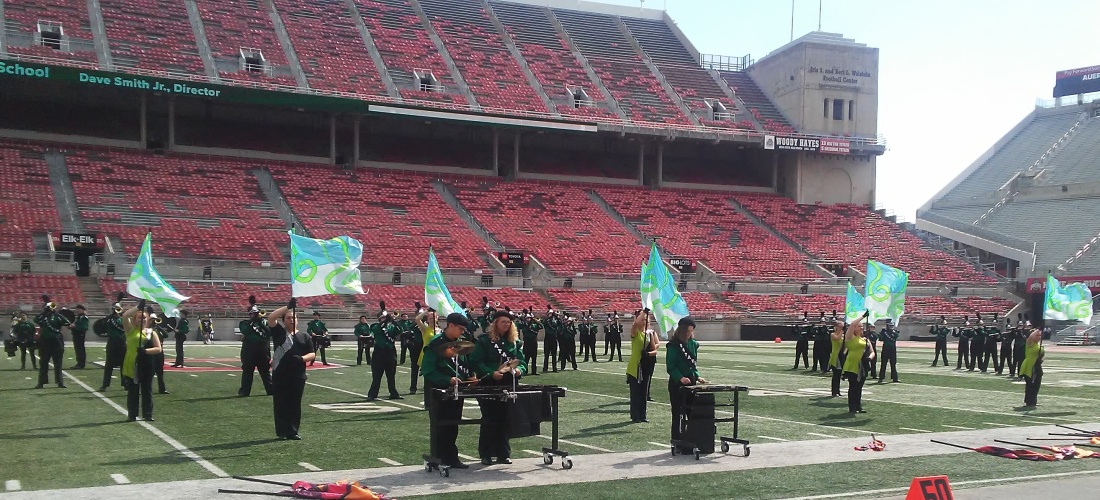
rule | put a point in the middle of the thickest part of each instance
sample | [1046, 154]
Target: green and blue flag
[436, 295]
[145, 282]
[325, 267]
[660, 295]
[1070, 302]
[885, 291]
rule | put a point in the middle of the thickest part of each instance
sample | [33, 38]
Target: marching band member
[255, 350]
[940, 331]
[992, 336]
[79, 331]
[116, 342]
[362, 333]
[963, 334]
[682, 365]
[142, 343]
[426, 320]
[182, 329]
[443, 370]
[318, 334]
[1019, 348]
[385, 354]
[889, 336]
[492, 354]
[550, 340]
[649, 363]
[836, 357]
[977, 345]
[415, 344]
[859, 356]
[288, 366]
[613, 336]
[161, 330]
[529, 325]
[23, 331]
[206, 329]
[802, 345]
[1031, 369]
[51, 345]
[567, 342]
[1007, 335]
[639, 341]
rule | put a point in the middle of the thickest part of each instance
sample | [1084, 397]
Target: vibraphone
[688, 394]
[503, 393]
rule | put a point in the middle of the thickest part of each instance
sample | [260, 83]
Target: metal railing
[725, 63]
[857, 142]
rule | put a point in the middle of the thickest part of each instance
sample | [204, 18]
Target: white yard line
[213, 469]
[774, 438]
[821, 435]
[388, 461]
[582, 445]
[912, 429]
[120, 479]
[958, 427]
[998, 425]
[533, 452]
[659, 445]
[467, 458]
[12, 485]
[308, 466]
[388, 401]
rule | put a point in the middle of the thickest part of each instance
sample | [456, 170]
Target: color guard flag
[436, 295]
[146, 283]
[325, 267]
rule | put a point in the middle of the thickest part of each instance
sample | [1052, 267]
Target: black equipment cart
[548, 394]
[697, 419]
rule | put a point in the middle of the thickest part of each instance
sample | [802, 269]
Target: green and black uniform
[79, 331]
[550, 343]
[116, 348]
[158, 359]
[384, 361]
[941, 332]
[182, 329]
[51, 346]
[24, 335]
[823, 347]
[255, 354]
[487, 358]
[364, 341]
[1006, 349]
[567, 345]
[802, 345]
[438, 372]
[529, 328]
[681, 361]
[414, 341]
[889, 354]
[977, 347]
[964, 335]
[992, 336]
[318, 334]
[1019, 347]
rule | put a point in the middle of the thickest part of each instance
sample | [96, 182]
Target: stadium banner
[67, 242]
[1039, 285]
[512, 260]
[1077, 81]
[682, 265]
[824, 146]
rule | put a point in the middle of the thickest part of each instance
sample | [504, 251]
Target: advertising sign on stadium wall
[1077, 81]
[67, 242]
[512, 260]
[682, 265]
[1039, 285]
[825, 146]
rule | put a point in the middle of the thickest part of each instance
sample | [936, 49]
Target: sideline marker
[930, 488]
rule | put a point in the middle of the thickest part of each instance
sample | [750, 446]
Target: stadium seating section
[758, 103]
[23, 16]
[231, 25]
[852, 234]
[195, 206]
[704, 227]
[151, 34]
[396, 216]
[26, 289]
[329, 46]
[26, 204]
[557, 224]
[792, 305]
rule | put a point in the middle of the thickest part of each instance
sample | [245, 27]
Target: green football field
[69, 438]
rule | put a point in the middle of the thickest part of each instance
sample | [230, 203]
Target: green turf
[68, 437]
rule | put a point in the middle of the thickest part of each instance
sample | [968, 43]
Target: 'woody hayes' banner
[825, 146]
[1077, 81]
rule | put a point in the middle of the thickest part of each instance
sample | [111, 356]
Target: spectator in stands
[1031, 369]
[859, 357]
[142, 343]
[288, 369]
[639, 342]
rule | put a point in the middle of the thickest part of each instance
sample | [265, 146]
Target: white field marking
[213, 469]
[743, 414]
[308, 466]
[388, 461]
[12, 485]
[998, 425]
[912, 429]
[223, 364]
[533, 452]
[192, 374]
[957, 427]
[1034, 422]
[821, 435]
[876, 493]
[362, 395]
[231, 374]
[774, 439]
[582, 445]
[120, 479]
[467, 458]
[659, 445]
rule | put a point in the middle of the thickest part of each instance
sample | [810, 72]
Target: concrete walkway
[413, 480]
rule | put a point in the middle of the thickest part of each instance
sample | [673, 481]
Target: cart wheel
[567, 463]
[446, 472]
[747, 450]
[674, 451]
[547, 458]
[696, 452]
[725, 447]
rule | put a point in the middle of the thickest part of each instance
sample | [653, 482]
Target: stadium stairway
[583, 61]
[782, 237]
[471, 222]
[606, 207]
[274, 195]
[514, 50]
[63, 194]
[201, 41]
[372, 49]
[95, 301]
[676, 98]
[456, 75]
[288, 48]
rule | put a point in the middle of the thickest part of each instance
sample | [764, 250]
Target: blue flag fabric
[885, 290]
[325, 267]
[660, 295]
[145, 282]
[436, 295]
[853, 305]
[1070, 302]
